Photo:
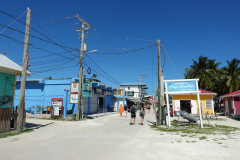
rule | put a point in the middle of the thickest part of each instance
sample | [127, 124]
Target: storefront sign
[181, 86]
[98, 91]
[74, 87]
[87, 86]
[153, 101]
[73, 98]
[119, 92]
[56, 102]
[130, 93]
[107, 93]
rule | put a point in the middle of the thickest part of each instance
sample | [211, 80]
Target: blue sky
[186, 28]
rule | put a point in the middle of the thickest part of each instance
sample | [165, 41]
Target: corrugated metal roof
[8, 65]
[235, 93]
[207, 92]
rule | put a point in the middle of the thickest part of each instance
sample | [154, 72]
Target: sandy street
[111, 137]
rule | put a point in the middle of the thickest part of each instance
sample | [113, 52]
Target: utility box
[57, 107]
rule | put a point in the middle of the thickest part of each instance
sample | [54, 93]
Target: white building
[132, 93]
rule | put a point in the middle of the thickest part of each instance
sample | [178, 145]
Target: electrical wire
[53, 69]
[58, 54]
[13, 21]
[130, 51]
[102, 69]
[100, 35]
[100, 74]
[171, 61]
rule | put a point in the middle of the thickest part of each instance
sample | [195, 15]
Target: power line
[170, 59]
[102, 69]
[58, 54]
[54, 65]
[101, 74]
[52, 20]
[13, 21]
[57, 68]
[100, 35]
[38, 37]
[129, 51]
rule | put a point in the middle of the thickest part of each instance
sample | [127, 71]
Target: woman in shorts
[142, 113]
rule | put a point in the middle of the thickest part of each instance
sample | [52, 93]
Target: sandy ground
[111, 137]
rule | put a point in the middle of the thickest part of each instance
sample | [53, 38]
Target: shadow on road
[36, 126]
[152, 122]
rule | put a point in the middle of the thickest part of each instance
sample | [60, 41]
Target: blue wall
[40, 92]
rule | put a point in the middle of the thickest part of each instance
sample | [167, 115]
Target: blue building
[39, 92]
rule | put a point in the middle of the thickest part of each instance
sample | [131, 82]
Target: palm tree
[199, 69]
[230, 75]
[213, 69]
[94, 76]
[206, 70]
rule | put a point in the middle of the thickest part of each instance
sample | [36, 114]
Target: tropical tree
[94, 76]
[230, 76]
[205, 69]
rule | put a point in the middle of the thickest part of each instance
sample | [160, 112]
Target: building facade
[8, 74]
[188, 102]
[39, 92]
[232, 103]
[130, 94]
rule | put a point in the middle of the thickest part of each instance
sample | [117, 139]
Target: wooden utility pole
[24, 74]
[79, 103]
[80, 92]
[160, 102]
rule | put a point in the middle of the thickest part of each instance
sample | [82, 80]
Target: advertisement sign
[181, 86]
[107, 93]
[87, 86]
[98, 91]
[119, 92]
[130, 93]
[74, 87]
[56, 103]
[153, 101]
[73, 98]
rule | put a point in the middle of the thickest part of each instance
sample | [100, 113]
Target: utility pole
[160, 99]
[24, 74]
[79, 103]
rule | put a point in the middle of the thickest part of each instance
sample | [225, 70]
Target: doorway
[185, 105]
[101, 104]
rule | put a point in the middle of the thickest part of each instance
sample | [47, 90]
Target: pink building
[232, 103]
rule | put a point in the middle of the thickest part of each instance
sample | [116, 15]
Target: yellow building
[188, 102]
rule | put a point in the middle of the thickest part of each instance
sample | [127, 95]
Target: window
[209, 103]
[128, 88]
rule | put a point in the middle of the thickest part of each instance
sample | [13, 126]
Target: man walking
[125, 109]
[133, 114]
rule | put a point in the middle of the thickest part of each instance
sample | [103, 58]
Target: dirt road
[111, 137]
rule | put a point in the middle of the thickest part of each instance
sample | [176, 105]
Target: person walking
[125, 109]
[142, 113]
[121, 110]
[133, 114]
